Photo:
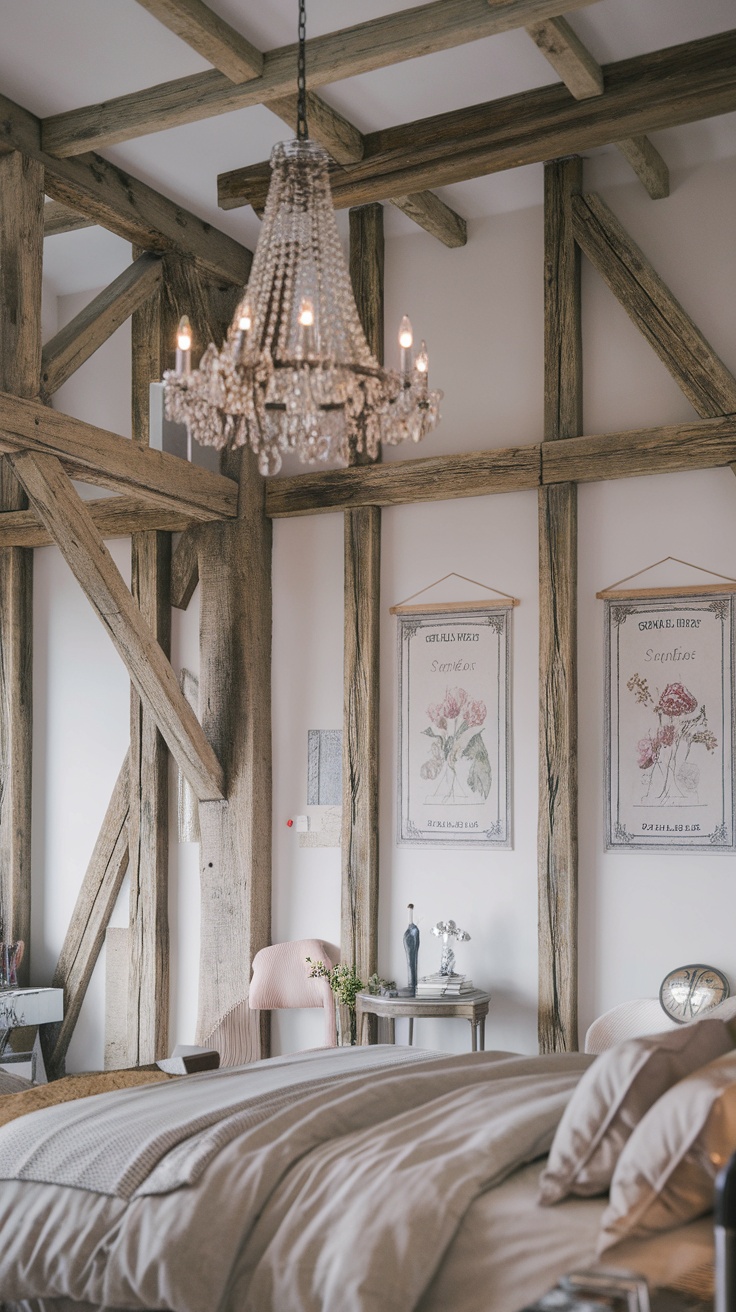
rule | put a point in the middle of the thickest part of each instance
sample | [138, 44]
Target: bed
[373, 1179]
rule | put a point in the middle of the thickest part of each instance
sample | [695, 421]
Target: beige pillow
[613, 1096]
[666, 1173]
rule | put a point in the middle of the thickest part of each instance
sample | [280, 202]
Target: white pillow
[666, 1173]
[613, 1096]
[13, 1083]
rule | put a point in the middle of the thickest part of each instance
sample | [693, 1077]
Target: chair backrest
[627, 1021]
[281, 979]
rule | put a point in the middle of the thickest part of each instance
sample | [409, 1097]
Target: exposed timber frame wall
[228, 543]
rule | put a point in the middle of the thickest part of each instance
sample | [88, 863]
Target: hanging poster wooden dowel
[447, 607]
[616, 592]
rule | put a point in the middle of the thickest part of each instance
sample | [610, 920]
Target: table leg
[391, 1029]
[474, 1035]
[482, 1027]
[411, 1030]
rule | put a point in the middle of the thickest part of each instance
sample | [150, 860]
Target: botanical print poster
[454, 728]
[669, 724]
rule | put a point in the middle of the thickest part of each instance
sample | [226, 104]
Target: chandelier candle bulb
[406, 341]
[184, 346]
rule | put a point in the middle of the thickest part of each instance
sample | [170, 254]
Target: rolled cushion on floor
[614, 1095]
[666, 1173]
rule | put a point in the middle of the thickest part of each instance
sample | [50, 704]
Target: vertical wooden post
[558, 851]
[148, 827]
[21, 257]
[235, 705]
[359, 909]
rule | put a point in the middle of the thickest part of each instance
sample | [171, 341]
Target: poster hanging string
[614, 589]
[501, 599]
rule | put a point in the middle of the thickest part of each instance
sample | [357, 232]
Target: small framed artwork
[669, 734]
[454, 728]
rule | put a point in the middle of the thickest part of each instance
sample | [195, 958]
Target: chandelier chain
[301, 79]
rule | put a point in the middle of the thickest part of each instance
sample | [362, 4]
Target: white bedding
[368, 1192]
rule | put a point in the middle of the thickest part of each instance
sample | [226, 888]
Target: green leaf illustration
[479, 775]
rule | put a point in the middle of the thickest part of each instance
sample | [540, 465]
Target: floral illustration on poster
[669, 729]
[454, 728]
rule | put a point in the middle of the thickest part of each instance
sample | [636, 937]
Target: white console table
[20, 1008]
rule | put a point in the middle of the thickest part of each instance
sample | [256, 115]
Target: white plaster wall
[481, 311]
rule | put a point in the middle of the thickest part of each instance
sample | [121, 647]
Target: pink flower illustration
[666, 736]
[676, 700]
[648, 750]
[454, 702]
[436, 714]
[474, 713]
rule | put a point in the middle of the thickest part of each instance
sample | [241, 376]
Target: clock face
[689, 991]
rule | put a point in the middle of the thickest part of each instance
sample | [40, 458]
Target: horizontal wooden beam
[86, 332]
[113, 517]
[208, 34]
[65, 516]
[703, 444]
[682, 348]
[104, 458]
[583, 77]
[667, 87]
[122, 203]
[378, 43]
[436, 478]
[58, 218]
[338, 136]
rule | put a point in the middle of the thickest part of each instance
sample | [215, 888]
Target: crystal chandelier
[295, 372]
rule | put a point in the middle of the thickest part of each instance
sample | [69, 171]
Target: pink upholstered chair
[281, 979]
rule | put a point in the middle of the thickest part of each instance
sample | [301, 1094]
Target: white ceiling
[58, 56]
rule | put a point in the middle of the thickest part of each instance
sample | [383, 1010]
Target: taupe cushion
[613, 1096]
[666, 1173]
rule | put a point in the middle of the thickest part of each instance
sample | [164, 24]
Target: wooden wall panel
[21, 253]
[557, 825]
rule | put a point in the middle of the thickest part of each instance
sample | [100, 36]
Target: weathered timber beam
[185, 569]
[86, 332]
[21, 254]
[704, 444]
[557, 818]
[694, 365]
[58, 218]
[208, 34]
[359, 901]
[346, 145]
[116, 200]
[235, 700]
[63, 512]
[583, 77]
[434, 478]
[376, 44]
[113, 517]
[106, 459]
[95, 903]
[679, 85]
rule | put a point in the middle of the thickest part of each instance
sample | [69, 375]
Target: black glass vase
[411, 947]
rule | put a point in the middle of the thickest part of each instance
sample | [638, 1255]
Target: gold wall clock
[690, 991]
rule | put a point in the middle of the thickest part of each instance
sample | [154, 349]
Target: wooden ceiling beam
[378, 43]
[662, 89]
[58, 218]
[649, 303]
[208, 34]
[583, 77]
[116, 200]
[86, 332]
[702, 444]
[104, 458]
[113, 517]
[63, 512]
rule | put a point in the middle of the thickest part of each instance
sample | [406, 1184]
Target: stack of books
[452, 986]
